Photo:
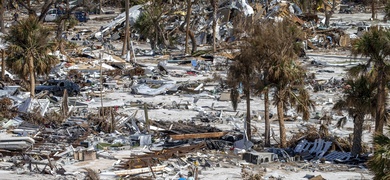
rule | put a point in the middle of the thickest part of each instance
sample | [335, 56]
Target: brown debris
[198, 135]
[155, 157]
[6, 109]
[137, 71]
[183, 128]
[91, 174]
[319, 177]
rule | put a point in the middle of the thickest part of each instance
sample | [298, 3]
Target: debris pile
[159, 112]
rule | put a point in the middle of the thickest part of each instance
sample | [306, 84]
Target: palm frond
[379, 164]
[28, 39]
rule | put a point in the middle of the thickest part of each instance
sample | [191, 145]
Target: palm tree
[265, 50]
[380, 162]
[287, 76]
[243, 73]
[374, 44]
[28, 50]
[150, 25]
[358, 100]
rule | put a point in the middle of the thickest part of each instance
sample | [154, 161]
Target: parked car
[81, 16]
[54, 14]
[57, 87]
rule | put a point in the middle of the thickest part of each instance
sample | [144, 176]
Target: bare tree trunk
[100, 6]
[267, 133]
[248, 112]
[329, 14]
[126, 39]
[215, 8]
[188, 15]
[282, 128]
[112, 129]
[2, 9]
[64, 106]
[357, 135]
[32, 76]
[373, 14]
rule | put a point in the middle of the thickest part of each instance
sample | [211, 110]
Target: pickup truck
[57, 87]
[54, 14]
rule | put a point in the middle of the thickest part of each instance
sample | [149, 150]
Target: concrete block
[89, 155]
[259, 157]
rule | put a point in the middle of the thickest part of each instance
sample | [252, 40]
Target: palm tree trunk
[188, 15]
[282, 129]
[326, 15]
[3, 64]
[380, 112]
[60, 29]
[112, 129]
[2, 8]
[32, 76]
[373, 9]
[357, 135]
[267, 133]
[248, 113]
[215, 4]
[126, 39]
[193, 41]
[100, 6]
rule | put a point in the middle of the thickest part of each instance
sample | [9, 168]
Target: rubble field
[165, 115]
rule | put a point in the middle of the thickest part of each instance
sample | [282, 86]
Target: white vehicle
[52, 15]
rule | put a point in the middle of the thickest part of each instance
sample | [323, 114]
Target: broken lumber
[198, 135]
[139, 171]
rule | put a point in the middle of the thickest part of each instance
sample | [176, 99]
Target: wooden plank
[198, 135]
[139, 170]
